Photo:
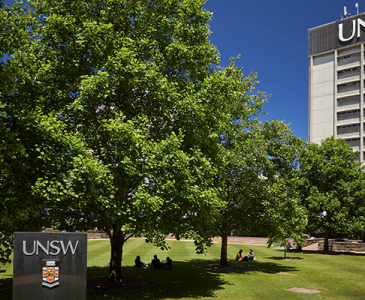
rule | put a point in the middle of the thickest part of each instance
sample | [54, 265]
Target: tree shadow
[6, 288]
[334, 253]
[288, 258]
[185, 280]
[294, 254]
[272, 267]
[251, 266]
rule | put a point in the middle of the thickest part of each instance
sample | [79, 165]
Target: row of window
[345, 57]
[349, 56]
[349, 70]
[348, 112]
[352, 99]
[350, 130]
[356, 83]
[347, 126]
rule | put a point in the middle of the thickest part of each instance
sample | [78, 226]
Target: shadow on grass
[265, 267]
[333, 253]
[6, 285]
[271, 267]
[294, 255]
[185, 280]
[288, 258]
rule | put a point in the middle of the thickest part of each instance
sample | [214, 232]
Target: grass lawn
[338, 276]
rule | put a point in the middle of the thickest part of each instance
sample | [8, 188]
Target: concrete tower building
[337, 82]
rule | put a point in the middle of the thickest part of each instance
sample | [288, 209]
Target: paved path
[244, 240]
[236, 240]
[313, 247]
[260, 241]
[231, 240]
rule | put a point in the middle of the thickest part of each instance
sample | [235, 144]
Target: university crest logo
[50, 273]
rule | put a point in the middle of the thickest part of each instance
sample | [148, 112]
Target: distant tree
[257, 182]
[332, 188]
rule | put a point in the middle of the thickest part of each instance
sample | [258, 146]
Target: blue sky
[272, 38]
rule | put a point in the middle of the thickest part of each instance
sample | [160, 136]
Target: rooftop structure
[336, 82]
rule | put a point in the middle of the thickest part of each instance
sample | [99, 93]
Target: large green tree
[116, 114]
[332, 188]
[257, 182]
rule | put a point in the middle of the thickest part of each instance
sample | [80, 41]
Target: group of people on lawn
[290, 248]
[155, 263]
[250, 256]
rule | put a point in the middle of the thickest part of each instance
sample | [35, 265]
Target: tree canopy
[111, 117]
[257, 181]
[116, 114]
[331, 185]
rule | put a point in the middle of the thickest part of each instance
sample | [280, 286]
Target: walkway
[260, 241]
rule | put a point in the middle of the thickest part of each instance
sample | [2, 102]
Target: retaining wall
[344, 246]
[97, 235]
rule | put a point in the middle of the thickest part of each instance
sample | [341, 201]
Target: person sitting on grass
[298, 248]
[251, 255]
[139, 263]
[239, 256]
[155, 263]
[168, 264]
[288, 247]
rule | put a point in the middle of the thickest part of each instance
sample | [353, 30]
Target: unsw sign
[51, 248]
[336, 35]
[356, 28]
[49, 266]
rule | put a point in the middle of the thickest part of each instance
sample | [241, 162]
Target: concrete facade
[336, 82]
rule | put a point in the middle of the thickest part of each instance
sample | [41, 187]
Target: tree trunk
[224, 250]
[363, 238]
[115, 267]
[325, 246]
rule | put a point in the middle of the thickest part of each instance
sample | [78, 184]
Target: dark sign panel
[336, 35]
[49, 266]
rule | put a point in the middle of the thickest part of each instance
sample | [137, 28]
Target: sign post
[50, 266]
